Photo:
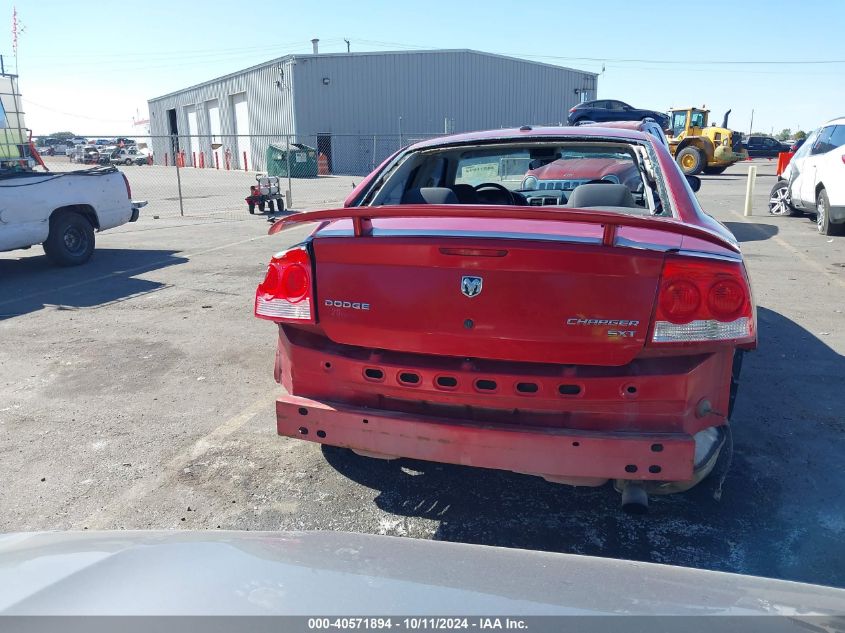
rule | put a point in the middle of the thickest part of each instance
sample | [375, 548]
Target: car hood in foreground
[306, 573]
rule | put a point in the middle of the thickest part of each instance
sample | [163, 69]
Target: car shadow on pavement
[28, 284]
[752, 231]
[780, 514]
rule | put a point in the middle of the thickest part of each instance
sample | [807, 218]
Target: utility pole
[347, 46]
[751, 127]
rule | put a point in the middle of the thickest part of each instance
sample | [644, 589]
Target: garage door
[239, 106]
[192, 146]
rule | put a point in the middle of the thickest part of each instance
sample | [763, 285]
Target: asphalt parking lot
[137, 392]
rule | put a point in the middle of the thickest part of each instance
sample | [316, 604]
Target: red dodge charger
[550, 301]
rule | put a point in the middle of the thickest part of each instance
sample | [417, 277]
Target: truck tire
[691, 161]
[823, 223]
[70, 241]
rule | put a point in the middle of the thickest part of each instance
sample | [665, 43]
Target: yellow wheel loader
[698, 147]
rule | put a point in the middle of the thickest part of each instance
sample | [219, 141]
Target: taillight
[286, 294]
[843, 158]
[572, 109]
[703, 299]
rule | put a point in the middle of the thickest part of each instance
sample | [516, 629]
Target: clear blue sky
[88, 66]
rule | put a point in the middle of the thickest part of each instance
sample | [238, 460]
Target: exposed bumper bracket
[542, 451]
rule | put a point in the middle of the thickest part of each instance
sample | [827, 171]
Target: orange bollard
[246, 167]
[202, 160]
[193, 159]
[322, 165]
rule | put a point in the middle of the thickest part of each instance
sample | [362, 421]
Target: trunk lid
[556, 295]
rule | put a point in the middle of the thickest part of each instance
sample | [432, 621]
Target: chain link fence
[202, 176]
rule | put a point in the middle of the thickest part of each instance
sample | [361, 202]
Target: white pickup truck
[62, 211]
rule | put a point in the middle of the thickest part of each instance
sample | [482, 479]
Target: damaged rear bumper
[561, 455]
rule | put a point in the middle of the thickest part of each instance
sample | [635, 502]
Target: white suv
[814, 180]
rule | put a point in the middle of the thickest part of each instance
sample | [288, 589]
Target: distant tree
[784, 134]
[62, 135]
[800, 134]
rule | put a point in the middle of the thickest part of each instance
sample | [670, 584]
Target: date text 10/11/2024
[416, 623]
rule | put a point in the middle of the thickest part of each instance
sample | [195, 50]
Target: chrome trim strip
[544, 237]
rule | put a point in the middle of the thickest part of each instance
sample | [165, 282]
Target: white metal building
[357, 107]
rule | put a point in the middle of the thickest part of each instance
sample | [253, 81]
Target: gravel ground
[137, 392]
[212, 193]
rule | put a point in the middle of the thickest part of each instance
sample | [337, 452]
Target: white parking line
[116, 507]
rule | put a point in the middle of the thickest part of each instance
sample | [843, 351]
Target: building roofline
[309, 56]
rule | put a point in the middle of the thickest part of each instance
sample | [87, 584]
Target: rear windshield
[542, 173]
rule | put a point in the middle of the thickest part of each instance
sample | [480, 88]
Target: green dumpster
[303, 160]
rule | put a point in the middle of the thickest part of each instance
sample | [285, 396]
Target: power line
[187, 53]
[71, 114]
[793, 62]
[686, 61]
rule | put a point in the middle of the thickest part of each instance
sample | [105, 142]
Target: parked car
[85, 154]
[604, 110]
[596, 336]
[62, 211]
[255, 575]
[814, 180]
[571, 168]
[649, 125]
[760, 146]
[795, 145]
[129, 156]
[106, 154]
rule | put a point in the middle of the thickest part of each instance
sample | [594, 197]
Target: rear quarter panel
[24, 213]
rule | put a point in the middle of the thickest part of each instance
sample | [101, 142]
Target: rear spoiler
[362, 218]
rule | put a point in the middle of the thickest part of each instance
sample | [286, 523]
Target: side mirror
[694, 182]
